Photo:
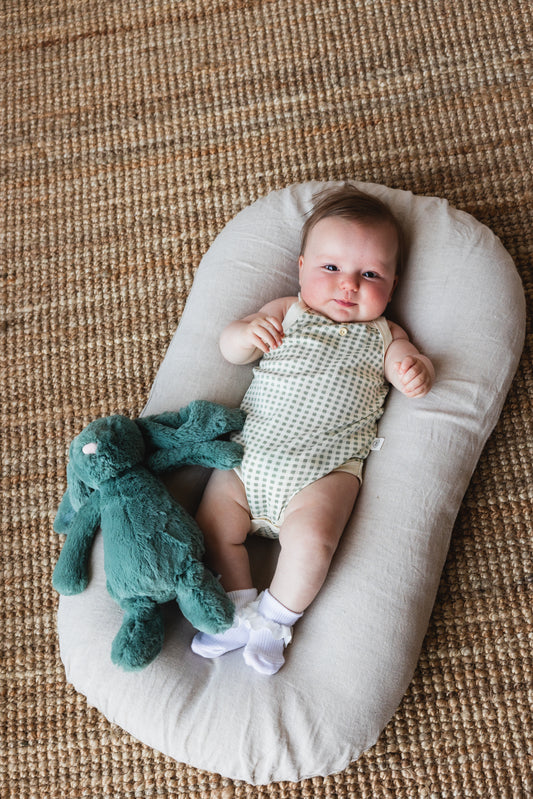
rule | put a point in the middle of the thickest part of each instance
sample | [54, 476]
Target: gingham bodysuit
[313, 405]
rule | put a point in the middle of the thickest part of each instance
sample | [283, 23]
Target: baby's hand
[265, 333]
[415, 374]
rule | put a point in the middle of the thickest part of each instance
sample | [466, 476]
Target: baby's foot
[271, 631]
[214, 645]
[263, 652]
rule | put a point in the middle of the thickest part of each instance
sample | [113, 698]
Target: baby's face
[348, 269]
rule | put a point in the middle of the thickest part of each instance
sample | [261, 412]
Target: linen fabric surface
[355, 649]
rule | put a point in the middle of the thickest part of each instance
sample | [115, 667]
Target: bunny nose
[90, 448]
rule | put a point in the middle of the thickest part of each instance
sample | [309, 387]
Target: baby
[328, 357]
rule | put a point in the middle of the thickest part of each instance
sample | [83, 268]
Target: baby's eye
[330, 268]
[370, 275]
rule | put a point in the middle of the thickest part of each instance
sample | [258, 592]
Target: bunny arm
[74, 498]
[71, 571]
[65, 514]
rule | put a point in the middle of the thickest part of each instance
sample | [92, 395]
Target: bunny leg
[203, 601]
[140, 637]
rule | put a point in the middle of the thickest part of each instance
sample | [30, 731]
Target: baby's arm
[247, 339]
[405, 367]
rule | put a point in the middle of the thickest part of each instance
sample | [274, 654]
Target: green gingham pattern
[313, 404]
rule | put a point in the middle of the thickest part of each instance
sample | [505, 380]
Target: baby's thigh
[224, 499]
[325, 505]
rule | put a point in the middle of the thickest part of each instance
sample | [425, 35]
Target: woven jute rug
[131, 132]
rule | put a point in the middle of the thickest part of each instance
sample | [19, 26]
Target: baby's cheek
[383, 294]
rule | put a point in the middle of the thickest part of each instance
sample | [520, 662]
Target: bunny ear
[189, 436]
[74, 498]
[199, 421]
[162, 430]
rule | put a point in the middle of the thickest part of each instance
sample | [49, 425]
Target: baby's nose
[350, 282]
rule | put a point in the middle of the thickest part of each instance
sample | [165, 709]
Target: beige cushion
[356, 648]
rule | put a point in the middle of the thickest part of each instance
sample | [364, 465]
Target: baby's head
[352, 253]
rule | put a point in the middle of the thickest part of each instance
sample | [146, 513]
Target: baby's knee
[323, 540]
[315, 537]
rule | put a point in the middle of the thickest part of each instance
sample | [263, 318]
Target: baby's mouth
[345, 303]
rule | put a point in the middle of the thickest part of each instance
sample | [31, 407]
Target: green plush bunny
[152, 547]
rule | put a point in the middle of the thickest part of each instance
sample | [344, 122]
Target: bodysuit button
[343, 331]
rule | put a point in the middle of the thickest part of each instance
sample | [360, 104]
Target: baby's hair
[350, 203]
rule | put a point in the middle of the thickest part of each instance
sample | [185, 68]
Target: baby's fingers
[267, 333]
[407, 363]
[416, 388]
[414, 377]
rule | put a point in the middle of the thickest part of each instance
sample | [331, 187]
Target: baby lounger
[356, 648]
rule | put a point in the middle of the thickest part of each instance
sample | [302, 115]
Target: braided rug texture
[130, 133]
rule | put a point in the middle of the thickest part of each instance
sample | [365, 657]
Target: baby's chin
[341, 312]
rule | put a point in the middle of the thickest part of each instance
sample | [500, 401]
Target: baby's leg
[224, 519]
[313, 524]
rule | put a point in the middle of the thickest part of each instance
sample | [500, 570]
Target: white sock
[213, 645]
[269, 635]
